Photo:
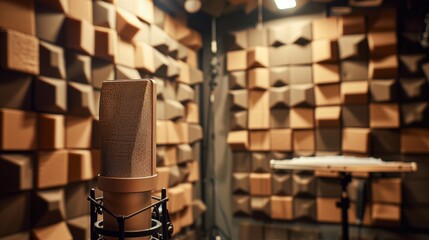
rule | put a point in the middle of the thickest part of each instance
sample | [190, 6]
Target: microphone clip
[161, 228]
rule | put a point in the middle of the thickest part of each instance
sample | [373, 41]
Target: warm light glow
[284, 4]
[192, 6]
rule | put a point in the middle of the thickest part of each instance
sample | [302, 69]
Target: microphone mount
[162, 227]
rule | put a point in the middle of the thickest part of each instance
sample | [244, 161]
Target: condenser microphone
[128, 155]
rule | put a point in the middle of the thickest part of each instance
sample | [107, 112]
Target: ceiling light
[285, 4]
[192, 6]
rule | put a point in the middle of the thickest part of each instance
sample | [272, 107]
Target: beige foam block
[80, 9]
[22, 10]
[80, 98]
[194, 171]
[163, 177]
[282, 207]
[51, 95]
[382, 43]
[159, 39]
[324, 50]
[18, 130]
[50, 207]
[126, 54]
[144, 10]
[239, 99]
[328, 116]
[101, 71]
[51, 232]
[327, 211]
[260, 184]
[127, 24]
[389, 214]
[52, 61]
[106, 46]
[325, 73]
[173, 70]
[259, 109]
[20, 52]
[192, 112]
[188, 74]
[301, 118]
[257, 57]
[52, 168]
[259, 140]
[79, 227]
[237, 80]
[122, 72]
[388, 190]
[281, 140]
[78, 68]
[236, 60]
[356, 140]
[353, 46]
[301, 95]
[17, 171]
[238, 120]
[384, 115]
[52, 126]
[78, 132]
[351, 24]
[383, 20]
[104, 14]
[325, 28]
[80, 35]
[166, 155]
[185, 93]
[173, 109]
[15, 212]
[258, 78]
[16, 90]
[79, 165]
[261, 206]
[327, 94]
[304, 141]
[300, 32]
[414, 140]
[50, 25]
[188, 132]
[176, 199]
[238, 140]
[354, 92]
[385, 67]
[241, 205]
[279, 97]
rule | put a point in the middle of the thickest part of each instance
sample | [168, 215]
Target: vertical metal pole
[344, 204]
[164, 215]
[93, 215]
[121, 223]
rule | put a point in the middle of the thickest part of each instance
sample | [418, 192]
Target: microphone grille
[127, 128]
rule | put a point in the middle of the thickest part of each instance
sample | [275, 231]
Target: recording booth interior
[214, 119]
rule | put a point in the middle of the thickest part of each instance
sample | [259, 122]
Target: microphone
[128, 151]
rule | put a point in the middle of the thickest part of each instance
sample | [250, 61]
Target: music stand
[344, 165]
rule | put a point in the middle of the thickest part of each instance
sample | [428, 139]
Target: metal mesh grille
[127, 122]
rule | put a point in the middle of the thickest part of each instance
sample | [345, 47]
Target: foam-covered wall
[54, 57]
[341, 85]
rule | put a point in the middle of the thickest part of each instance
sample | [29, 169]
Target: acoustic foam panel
[17, 170]
[18, 130]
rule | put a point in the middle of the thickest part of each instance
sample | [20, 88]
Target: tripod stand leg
[92, 216]
[344, 204]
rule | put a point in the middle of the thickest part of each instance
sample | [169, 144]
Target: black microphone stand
[160, 220]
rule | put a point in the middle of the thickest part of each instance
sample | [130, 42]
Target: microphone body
[128, 151]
